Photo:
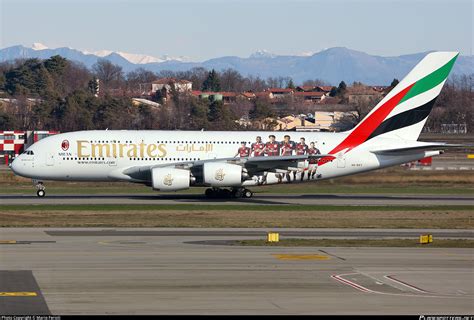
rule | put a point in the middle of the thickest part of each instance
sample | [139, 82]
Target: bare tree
[197, 76]
[166, 74]
[454, 104]
[138, 79]
[316, 82]
[75, 76]
[231, 80]
[109, 74]
[241, 108]
[254, 84]
[272, 82]
[360, 109]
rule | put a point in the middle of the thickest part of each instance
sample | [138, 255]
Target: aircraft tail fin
[405, 109]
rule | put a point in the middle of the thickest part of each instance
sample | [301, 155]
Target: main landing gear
[40, 188]
[214, 193]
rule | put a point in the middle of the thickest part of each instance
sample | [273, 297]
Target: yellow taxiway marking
[301, 257]
[7, 241]
[18, 294]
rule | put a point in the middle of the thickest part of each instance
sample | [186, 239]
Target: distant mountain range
[331, 65]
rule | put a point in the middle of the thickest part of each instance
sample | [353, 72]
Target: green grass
[238, 216]
[437, 243]
[222, 207]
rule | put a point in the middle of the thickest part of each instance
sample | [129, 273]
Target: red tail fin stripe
[366, 127]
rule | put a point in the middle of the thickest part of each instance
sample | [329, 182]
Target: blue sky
[212, 28]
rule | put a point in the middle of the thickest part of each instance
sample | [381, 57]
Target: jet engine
[221, 174]
[170, 179]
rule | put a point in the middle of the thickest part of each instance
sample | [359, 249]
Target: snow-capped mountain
[38, 46]
[331, 65]
[138, 58]
[130, 57]
[262, 54]
[143, 58]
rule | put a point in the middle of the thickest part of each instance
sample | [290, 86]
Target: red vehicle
[425, 161]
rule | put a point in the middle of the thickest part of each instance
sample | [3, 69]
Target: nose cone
[19, 167]
[14, 166]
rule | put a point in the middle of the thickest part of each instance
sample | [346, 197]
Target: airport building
[13, 142]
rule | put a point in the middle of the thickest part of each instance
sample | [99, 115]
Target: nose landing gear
[40, 188]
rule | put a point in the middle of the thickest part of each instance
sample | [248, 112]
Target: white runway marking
[339, 278]
[350, 283]
[390, 277]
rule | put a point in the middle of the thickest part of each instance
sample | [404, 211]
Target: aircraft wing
[252, 164]
[270, 163]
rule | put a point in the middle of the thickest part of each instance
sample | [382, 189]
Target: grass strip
[220, 218]
[221, 207]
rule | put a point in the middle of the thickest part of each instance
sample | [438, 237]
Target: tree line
[59, 94]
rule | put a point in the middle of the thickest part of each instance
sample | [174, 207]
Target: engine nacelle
[170, 179]
[221, 174]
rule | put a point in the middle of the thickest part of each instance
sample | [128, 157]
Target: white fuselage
[105, 155]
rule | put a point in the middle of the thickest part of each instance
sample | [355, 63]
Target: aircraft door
[50, 159]
[341, 160]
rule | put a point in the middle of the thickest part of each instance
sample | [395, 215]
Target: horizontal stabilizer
[418, 147]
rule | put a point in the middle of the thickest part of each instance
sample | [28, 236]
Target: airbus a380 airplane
[177, 160]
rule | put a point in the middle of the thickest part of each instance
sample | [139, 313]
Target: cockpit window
[28, 152]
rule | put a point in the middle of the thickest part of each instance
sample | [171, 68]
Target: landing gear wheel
[213, 193]
[237, 193]
[247, 193]
[209, 193]
[39, 188]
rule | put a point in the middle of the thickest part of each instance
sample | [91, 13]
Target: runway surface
[148, 271]
[18, 287]
[260, 199]
[258, 232]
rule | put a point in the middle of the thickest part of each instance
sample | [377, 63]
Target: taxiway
[147, 271]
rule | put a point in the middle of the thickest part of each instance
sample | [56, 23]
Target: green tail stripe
[430, 81]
